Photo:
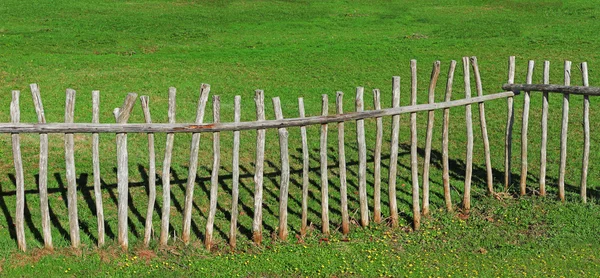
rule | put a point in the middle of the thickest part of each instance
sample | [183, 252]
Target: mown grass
[290, 49]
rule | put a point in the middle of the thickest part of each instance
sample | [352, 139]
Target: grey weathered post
[259, 99]
[586, 134]
[339, 103]
[544, 124]
[214, 177]
[524, 129]
[145, 100]
[70, 173]
[413, 148]
[305, 170]
[563, 135]
[15, 116]
[235, 188]
[377, 159]
[394, 152]
[96, 167]
[435, 73]
[469, 124]
[484, 133]
[323, 158]
[166, 173]
[362, 159]
[509, 126]
[285, 172]
[445, 164]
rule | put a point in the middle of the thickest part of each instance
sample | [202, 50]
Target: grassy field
[298, 49]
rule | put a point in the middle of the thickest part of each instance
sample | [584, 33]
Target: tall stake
[435, 73]
[563, 135]
[235, 188]
[145, 100]
[339, 104]
[394, 152]
[259, 99]
[414, 166]
[305, 170]
[509, 126]
[285, 172]
[544, 142]
[70, 175]
[469, 122]
[445, 164]
[96, 167]
[214, 177]
[484, 134]
[526, 100]
[362, 159]
[586, 134]
[377, 162]
[324, 182]
[166, 174]
[15, 117]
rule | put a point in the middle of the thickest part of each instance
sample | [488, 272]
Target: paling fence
[419, 173]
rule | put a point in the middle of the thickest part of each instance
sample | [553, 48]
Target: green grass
[294, 49]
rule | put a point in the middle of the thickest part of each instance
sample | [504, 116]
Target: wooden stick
[394, 152]
[552, 88]
[377, 162]
[305, 169]
[256, 125]
[526, 100]
[214, 177]
[43, 175]
[324, 182]
[544, 142]
[445, 164]
[469, 123]
[435, 73]
[166, 174]
[339, 104]
[15, 116]
[191, 180]
[362, 160]
[259, 99]
[586, 134]
[509, 126]
[285, 172]
[145, 100]
[70, 175]
[563, 135]
[235, 189]
[484, 134]
[413, 148]
[96, 168]
[122, 116]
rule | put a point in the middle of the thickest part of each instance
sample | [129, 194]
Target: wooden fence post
[214, 178]
[259, 99]
[435, 73]
[339, 103]
[524, 129]
[191, 180]
[145, 100]
[394, 152]
[96, 168]
[166, 173]
[544, 124]
[324, 181]
[235, 191]
[586, 134]
[285, 172]
[377, 159]
[305, 170]
[413, 148]
[362, 159]
[563, 135]
[469, 123]
[15, 116]
[509, 126]
[70, 175]
[43, 175]
[445, 164]
[484, 134]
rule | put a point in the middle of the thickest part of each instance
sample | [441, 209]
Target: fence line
[121, 128]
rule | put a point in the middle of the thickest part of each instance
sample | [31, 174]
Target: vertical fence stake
[563, 135]
[305, 170]
[324, 181]
[285, 172]
[145, 100]
[445, 164]
[525, 127]
[362, 159]
[70, 175]
[509, 126]
[259, 99]
[15, 116]
[166, 174]
[413, 148]
[586, 134]
[191, 180]
[96, 168]
[43, 175]
[544, 142]
[484, 133]
[339, 103]
[377, 159]
[394, 152]
[121, 117]
[235, 191]
[214, 177]
[469, 122]
[435, 73]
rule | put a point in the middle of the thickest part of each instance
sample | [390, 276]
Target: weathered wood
[96, 168]
[524, 130]
[145, 100]
[586, 134]
[469, 125]
[435, 73]
[362, 159]
[305, 170]
[285, 172]
[256, 125]
[43, 168]
[509, 127]
[193, 165]
[552, 88]
[413, 148]
[563, 135]
[394, 153]
[339, 104]
[544, 143]
[377, 159]
[259, 99]
[70, 173]
[483, 124]
[166, 172]
[235, 187]
[122, 116]
[214, 177]
[445, 164]
[323, 159]
[15, 117]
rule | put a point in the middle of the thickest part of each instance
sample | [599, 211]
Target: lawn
[297, 49]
